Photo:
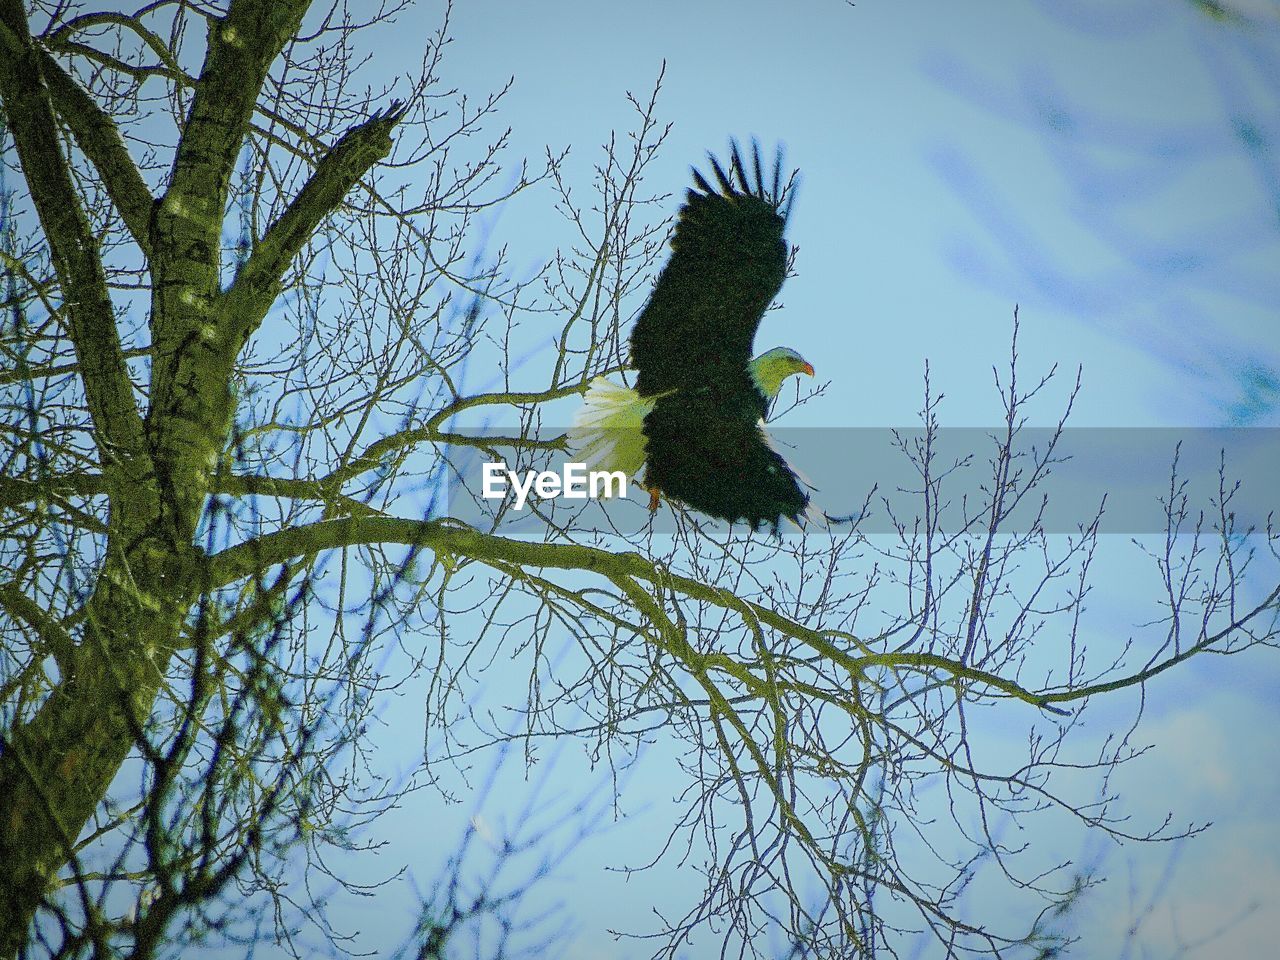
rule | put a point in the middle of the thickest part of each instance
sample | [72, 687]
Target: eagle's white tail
[607, 432]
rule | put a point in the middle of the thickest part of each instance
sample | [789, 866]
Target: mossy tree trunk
[156, 463]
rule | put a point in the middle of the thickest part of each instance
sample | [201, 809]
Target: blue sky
[934, 194]
[1083, 160]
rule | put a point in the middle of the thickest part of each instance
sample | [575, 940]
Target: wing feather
[724, 467]
[728, 261]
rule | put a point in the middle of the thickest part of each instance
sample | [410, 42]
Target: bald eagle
[694, 420]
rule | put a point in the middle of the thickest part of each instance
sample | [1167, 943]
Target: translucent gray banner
[1127, 480]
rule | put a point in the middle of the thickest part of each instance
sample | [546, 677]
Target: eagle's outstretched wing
[728, 261]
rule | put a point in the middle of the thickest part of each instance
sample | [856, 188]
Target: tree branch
[97, 136]
[241, 48]
[21, 607]
[259, 281]
[455, 540]
[72, 245]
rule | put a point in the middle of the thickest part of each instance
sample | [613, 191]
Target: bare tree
[221, 522]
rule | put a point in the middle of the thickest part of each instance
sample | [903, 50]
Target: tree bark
[56, 768]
